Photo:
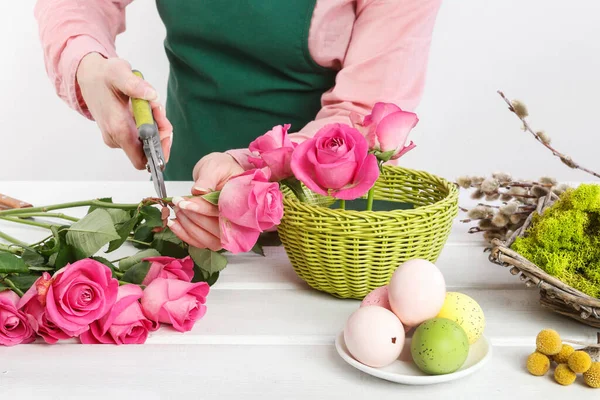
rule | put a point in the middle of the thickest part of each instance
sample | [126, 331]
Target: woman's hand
[197, 220]
[106, 86]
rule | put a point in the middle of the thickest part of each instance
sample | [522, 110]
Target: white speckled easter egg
[416, 291]
[465, 311]
[377, 297]
[374, 336]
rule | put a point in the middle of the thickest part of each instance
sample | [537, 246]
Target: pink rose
[169, 268]
[336, 162]
[36, 315]
[175, 302]
[76, 295]
[274, 150]
[248, 205]
[124, 324]
[387, 129]
[14, 327]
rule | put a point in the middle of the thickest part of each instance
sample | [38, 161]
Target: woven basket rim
[449, 199]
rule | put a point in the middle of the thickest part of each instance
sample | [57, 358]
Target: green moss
[565, 240]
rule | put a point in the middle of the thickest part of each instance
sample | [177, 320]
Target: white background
[545, 52]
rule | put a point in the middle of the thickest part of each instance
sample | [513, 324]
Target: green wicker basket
[349, 253]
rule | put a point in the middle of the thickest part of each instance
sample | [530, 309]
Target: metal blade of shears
[148, 132]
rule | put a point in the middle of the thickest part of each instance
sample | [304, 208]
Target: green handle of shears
[142, 112]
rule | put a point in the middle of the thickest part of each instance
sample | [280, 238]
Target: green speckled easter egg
[439, 346]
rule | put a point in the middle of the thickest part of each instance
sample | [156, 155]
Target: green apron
[237, 68]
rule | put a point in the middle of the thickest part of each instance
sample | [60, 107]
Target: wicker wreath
[554, 294]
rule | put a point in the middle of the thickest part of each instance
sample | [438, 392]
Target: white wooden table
[267, 335]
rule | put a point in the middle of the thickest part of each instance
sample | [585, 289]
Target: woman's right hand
[106, 86]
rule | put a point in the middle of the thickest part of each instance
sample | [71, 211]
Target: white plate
[405, 371]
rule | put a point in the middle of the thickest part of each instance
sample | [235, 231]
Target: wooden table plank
[247, 372]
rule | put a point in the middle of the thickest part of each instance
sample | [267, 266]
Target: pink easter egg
[417, 291]
[377, 297]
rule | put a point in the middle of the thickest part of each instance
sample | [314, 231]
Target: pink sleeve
[70, 29]
[386, 61]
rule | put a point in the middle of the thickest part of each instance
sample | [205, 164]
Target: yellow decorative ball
[564, 375]
[592, 376]
[465, 311]
[563, 355]
[548, 342]
[538, 364]
[580, 362]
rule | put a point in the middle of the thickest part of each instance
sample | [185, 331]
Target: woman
[237, 68]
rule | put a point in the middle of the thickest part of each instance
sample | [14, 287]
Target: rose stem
[25, 222]
[49, 215]
[370, 199]
[118, 259]
[41, 241]
[10, 249]
[13, 287]
[130, 239]
[564, 158]
[125, 283]
[12, 239]
[119, 274]
[342, 204]
[74, 204]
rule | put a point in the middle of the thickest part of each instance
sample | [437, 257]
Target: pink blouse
[379, 47]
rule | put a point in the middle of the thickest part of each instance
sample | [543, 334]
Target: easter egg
[374, 336]
[377, 297]
[416, 291]
[465, 311]
[439, 346]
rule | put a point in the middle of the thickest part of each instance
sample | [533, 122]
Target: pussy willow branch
[564, 158]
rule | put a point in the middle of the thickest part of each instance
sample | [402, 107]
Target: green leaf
[24, 281]
[129, 262]
[123, 230]
[137, 273]
[168, 244]
[269, 239]
[104, 200]
[105, 262]
[3, 288]
[208, 260]
[11, 264]
[170, 249]
[212, 197]
[52, 259]
[118, 216]
[258, 249]
[203, 276]
[66, 255]
[90, 233]
[32, 258]
[143, 233]
[152, 215]
[167, 235]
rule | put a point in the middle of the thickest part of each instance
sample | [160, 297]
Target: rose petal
[393, 130]
[367, 175]
[236, 238]
[303, 169]
[404, 150]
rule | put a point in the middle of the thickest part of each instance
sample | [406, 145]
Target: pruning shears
[148, 133]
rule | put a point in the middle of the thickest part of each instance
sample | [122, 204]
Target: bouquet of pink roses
[59, 288]
[340, 161]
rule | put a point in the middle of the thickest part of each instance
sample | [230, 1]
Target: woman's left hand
[197, 220]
